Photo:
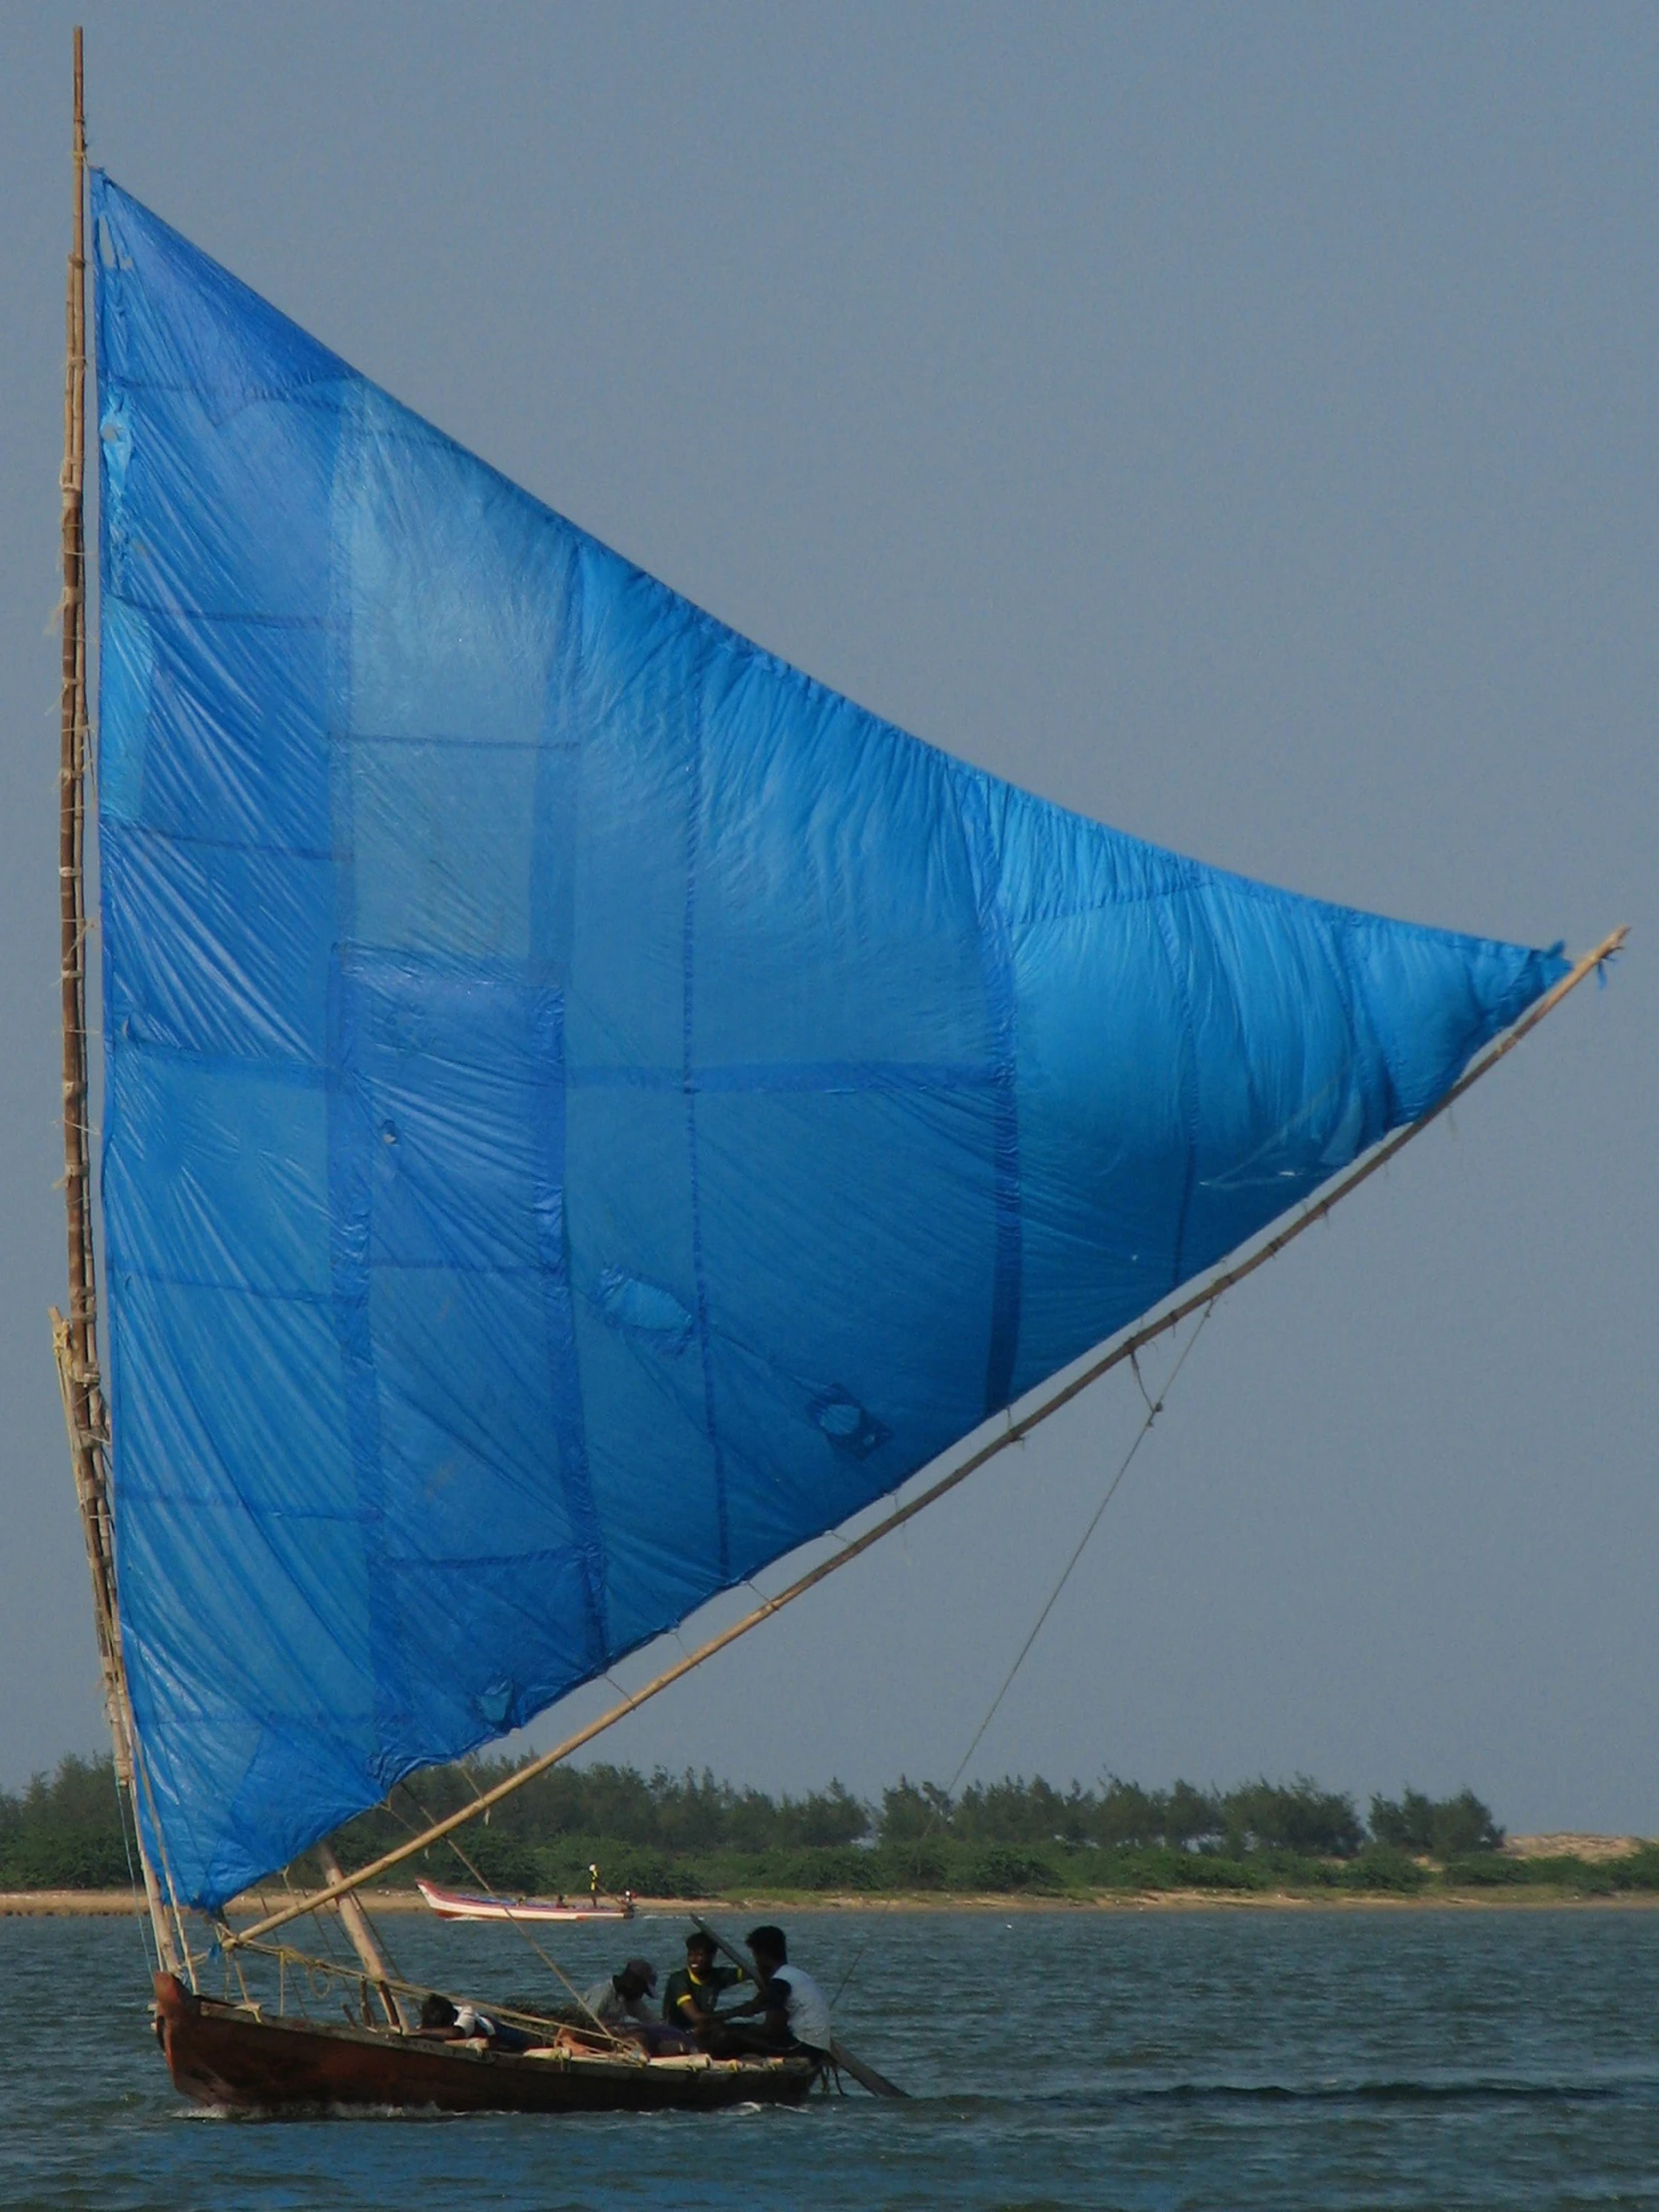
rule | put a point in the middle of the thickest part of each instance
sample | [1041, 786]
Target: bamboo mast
[364, 1942]
[75, 1339]
[1040, 1404]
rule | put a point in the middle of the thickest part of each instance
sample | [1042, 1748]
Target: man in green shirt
[693, 1991]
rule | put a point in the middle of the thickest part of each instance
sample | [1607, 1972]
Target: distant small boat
[459, 1905]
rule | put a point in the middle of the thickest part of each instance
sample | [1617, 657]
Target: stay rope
[1154, 1406]
[127, 1814]
[546, 1958]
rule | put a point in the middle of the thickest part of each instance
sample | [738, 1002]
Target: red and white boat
[461, 1905]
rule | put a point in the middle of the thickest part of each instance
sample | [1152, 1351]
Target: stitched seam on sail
[551, 908]
[694, 830]
[564, 1380]
[997, 967]
[350, 1137]
[1189, 1088]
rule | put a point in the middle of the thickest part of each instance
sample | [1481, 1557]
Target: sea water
[1159, 2058]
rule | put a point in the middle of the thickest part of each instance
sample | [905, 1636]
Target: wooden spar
[358, 1927]
[78, 1364]
[866, 2077]
[1047, 1399]
[863, 2073]
[75, 1337]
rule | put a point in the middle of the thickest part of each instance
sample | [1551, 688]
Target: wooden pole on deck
[363, 1940]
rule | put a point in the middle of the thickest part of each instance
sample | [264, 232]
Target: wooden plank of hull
[224, 2054]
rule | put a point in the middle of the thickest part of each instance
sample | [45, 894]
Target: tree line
[697, 1812]
[1258, 1816]
[663, 1833]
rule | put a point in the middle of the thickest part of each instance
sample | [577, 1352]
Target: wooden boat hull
[228, 2055]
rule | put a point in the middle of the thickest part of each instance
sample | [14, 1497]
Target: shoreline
[117, 1904]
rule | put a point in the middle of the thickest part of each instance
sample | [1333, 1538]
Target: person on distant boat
[622, 2000]
[794, 2011]
[692, 1998]
[593, 1887]
[442, 2022]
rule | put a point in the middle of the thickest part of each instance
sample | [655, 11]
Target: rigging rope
[1141, 1434]
[127, 1814]
[1153, 1408]
[546, 1958]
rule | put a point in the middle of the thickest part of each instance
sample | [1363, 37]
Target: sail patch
[644, 1311]
[849, 1430]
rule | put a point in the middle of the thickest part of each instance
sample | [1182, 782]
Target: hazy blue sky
[1236, 423]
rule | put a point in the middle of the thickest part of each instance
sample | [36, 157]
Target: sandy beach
[110, 1903]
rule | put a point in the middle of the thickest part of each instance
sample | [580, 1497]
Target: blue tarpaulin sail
[587, 1107]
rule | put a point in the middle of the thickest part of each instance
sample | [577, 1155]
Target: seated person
[693, 1993]
[620, 2008]
[794, 2011]
[442, 2022]
[621, 2002]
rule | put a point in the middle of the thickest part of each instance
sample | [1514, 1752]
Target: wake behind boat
[461, 1905]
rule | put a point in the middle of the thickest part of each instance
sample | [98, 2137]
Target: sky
[1236, 424]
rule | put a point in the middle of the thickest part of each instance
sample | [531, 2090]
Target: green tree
[1442, 1828]
[64, 1831]
[910, 1811]
[1299, 1817]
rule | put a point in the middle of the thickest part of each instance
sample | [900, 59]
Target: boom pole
[75, 1337]
[1047, 1399]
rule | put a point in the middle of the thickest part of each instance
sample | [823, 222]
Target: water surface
[1234, 2060]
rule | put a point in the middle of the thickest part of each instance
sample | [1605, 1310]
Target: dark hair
[437, 2012]
[772, 1941]
[701, 1939]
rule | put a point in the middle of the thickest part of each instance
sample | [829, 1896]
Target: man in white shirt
[794, 2012]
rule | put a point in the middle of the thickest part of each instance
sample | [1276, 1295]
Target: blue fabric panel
[588, 1108]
